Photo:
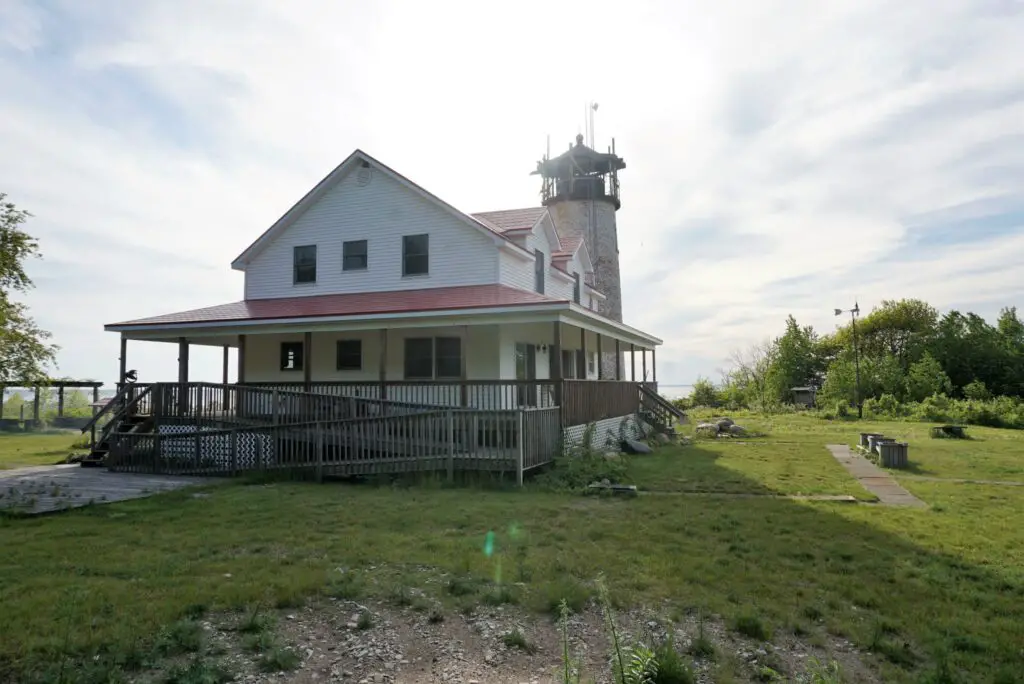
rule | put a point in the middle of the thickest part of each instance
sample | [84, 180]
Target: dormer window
[304, 264]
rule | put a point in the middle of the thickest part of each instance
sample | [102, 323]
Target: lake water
[675, 391]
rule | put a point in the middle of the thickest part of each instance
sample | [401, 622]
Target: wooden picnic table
[957, 431]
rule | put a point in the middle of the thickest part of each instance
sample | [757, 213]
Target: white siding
[515, 271]
[380, 212]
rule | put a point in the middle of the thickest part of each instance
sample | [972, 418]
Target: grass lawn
[18, 450]
[912, 585]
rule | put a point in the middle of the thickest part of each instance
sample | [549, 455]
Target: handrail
[662, 402]
[120, 414]
[114, 400]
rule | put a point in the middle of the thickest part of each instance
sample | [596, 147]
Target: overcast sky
[783, 156]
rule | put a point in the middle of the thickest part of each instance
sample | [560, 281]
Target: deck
[44, 489]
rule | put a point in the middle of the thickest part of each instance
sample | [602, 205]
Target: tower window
[538, 271]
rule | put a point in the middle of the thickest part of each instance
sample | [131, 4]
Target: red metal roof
[511, 219]
[355, 304]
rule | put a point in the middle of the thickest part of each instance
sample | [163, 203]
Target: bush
[704, 394]
[977, 391]
[581, 464]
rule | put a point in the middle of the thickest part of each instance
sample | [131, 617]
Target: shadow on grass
[852, 571]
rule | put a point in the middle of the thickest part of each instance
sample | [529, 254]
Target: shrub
[704, 393]
[672, 669]
[184, 636]
[280, 660]
[976, 390]
[516, 639]
[581, 464]
[752, 626]
[198, 671]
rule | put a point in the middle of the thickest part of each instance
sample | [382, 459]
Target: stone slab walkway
[874, 479]
[43, 489]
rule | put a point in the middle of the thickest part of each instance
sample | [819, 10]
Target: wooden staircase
[659, 411]
[124, 419]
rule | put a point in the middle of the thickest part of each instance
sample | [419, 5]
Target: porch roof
[456, 305]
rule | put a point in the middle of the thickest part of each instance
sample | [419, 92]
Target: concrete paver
[874, 479]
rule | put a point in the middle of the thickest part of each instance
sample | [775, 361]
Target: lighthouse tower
[581, 191]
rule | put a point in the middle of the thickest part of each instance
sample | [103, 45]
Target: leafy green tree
[926, 378]
[12, 407]
[25, 353]
[794, 361]
[76, 403]
[704, 393]
[976, 390]
[840, 383]
[902, 329]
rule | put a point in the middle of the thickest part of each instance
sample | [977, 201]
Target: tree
[750, 371]
[12, 407]
[794, 361]
[25, 353]
[704, 393]
[926, 378]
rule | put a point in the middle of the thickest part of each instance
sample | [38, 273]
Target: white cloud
[766, 142]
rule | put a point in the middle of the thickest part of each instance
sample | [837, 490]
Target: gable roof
[513, 219]
[354, 160]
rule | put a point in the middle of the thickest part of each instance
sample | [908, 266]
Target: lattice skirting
[254, 449]
[607, 433]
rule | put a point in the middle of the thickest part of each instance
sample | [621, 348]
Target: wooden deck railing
[588, 401]
[449, 439]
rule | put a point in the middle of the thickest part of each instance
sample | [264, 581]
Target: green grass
[949, 579]
[18, 450]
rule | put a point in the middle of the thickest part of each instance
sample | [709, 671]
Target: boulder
[632, 446]
[737, 430]
[661, 438]
[707, 429]
[724, 423]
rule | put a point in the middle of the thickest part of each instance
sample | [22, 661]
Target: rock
[737, 430]
[661, 438]
[707, 429]
[632, 446]
[724, 423]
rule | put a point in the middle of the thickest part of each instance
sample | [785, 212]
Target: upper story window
[538, 271]
[304, 264]
[354, 255]
[415, 255]
[576, 288]
[291, 356]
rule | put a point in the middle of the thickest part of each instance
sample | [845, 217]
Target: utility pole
[856, 356]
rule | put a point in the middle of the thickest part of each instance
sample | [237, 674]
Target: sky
[784, 156]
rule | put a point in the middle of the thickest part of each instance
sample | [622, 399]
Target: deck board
[44, 489]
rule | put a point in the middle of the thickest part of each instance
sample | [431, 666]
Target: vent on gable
[364, 175]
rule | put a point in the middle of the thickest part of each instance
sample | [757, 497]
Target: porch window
[592, 363]
[433, 358]
[415, 254]
[569, 364]
[353, 255]
[291, 356]
[304, 264]
[350, 355]
[538, 271]
[576, 288]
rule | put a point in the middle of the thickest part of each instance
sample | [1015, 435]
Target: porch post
[226, 404]
[241, 360]
[643, 360]
[383, 364]
[618, 361]
[182, 376]
[122, 362]
[654, 366]
[581, 372]
[556, 361]
[463, 352]
[600, 358]
[60, 401]
[307, 362]
[632, 362]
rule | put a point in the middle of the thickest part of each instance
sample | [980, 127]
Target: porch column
[241, 360]
[224, 381]
[556, 361]
[463, 376]
[654, 366]
[60, 401]
[307, 362]
[35, 405]
[122, 362]
[632, 362]
[618, 361]
[182, 376]
[581, 372]
[600, 358]
[643, 360]
[383, 363]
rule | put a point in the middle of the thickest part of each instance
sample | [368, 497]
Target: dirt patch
[336, 642]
